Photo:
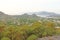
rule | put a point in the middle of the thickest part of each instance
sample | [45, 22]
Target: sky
[15, 7]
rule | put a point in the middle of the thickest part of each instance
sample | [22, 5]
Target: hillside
[28, 26]
[16, 19]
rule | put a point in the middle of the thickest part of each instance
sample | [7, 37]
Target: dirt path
[50, 38]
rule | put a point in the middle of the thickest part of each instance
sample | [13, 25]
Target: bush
[32, 37]
[5, 38]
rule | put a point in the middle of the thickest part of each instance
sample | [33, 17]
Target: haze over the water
[14, 7]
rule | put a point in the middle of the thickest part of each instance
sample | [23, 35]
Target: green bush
[5, 38]
[32, 37]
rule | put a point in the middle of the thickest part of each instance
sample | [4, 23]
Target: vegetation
[27, 27]
[30, 31]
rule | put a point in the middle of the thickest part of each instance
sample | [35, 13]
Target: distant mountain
[27, 17]
[45, 14]
[54, 16]
[4, 16]
[15, 19]
[30, 15]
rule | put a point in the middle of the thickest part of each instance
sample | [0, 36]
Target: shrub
[32, 37]
[5, 38]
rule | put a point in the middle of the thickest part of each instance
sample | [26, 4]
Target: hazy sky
[20, 6]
